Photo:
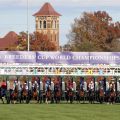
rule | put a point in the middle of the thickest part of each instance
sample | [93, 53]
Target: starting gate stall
[16, 65]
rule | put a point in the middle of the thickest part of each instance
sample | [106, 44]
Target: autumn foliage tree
[95, 32]
[41, 42]
[38, 42]
[22, 41]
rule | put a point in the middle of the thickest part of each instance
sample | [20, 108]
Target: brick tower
[47, 22]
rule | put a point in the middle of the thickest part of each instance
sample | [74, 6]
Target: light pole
[28, 38]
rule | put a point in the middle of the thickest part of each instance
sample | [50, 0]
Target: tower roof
[47, 9]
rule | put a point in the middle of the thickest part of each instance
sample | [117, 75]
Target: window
[40, 24]
[44, 23]
[55, 25]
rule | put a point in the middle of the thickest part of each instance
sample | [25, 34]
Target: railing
[83, 70]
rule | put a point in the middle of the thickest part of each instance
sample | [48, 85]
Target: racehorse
[1, 96]
[82, 95]
[15, 95]
[112, 96]
[24, 94]
[3, 90]
[101, 95]
[57, 95]
[91, 92]
[70, 95]
[35, 94]
[48, 95]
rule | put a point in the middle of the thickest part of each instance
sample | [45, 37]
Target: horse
[57, 95]
[3, 90]
[35, 94]
[91, 92]
[81, 95]
[101, 95]
[112, 96]
[15, 95]
[24, 95]
[70, 94]
[48, 95]
[2, 95]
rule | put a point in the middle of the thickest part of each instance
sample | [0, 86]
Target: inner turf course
[59, 112]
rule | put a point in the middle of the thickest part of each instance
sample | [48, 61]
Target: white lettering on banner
[80, 57]
[59, 57]
[67, 57]
[62, 57]
[55, 57]
[17, 57]
[104, 58]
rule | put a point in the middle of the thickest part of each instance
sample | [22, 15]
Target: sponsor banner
[104, 57]
[17, 57]
[67, 58]
[63, 57]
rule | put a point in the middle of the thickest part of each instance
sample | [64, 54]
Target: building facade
[47, 22]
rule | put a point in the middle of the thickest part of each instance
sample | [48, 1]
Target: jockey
[3, 88]
[74, 86]
[25, 85]
[41, 85]
[52, 85]
[63, 86]
[85, 86]
[81, 83]
[91, 86]
[118, 86]
[47, 84]
[8, 85]
[30, 85]
[107, 86]
[15, 84]
[96, 86]
[19, 86]
[3, 85]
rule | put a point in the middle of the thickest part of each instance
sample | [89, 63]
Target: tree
[38, 42]
[94, 32]
[42, 43]
[22, 41]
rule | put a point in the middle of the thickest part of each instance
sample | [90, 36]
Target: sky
[13, 13]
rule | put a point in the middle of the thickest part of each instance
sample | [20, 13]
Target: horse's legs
[2, 100]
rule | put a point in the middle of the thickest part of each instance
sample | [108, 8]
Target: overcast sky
[13, 13]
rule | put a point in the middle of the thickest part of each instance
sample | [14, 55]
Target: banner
[17, 57]
[67, 58]
[63, 57]
[104, 57]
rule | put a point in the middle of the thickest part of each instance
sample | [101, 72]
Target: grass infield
[59, 112]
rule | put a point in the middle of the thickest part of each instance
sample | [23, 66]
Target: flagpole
[28, 38]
